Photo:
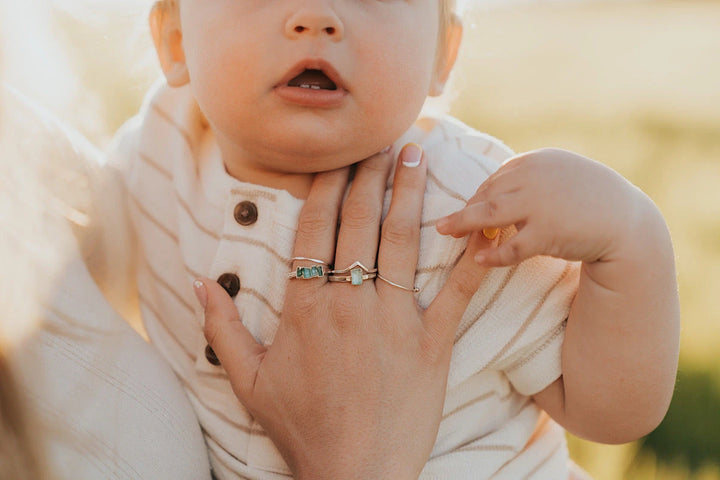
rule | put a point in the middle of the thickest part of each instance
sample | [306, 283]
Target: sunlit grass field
[634, 85]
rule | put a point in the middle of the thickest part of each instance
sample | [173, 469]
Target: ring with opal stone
[356, 277]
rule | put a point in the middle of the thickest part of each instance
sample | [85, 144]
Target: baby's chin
[311, 157]
[313, 160]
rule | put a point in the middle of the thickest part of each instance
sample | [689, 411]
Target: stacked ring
[355, 265]
[358, 272]
[316, 271]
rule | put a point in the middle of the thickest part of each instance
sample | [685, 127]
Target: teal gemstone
[356, 276]
[299, 273]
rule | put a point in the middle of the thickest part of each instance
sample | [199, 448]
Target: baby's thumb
[232, 343]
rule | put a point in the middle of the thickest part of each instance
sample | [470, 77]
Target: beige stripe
[257, 243]
[443, 129]
[229, 468]
[473, 158]
[557, 331]
[488, 148]
[544, 461]
[170, 289]
[434, 268]
[152, 163]
[254, 194]
[168, 118]
[192, 272]
[194, 219]
[488, 448]
[480, 164]
[262, 298]
[153, 220]
[477, 400]
[446, 189]
[220, 415]
[508, 276]
[528, 321]
[144, 302]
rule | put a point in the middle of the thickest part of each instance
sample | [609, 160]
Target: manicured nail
[200, 292]
[386, 149]
[490, 233]
[412, 155]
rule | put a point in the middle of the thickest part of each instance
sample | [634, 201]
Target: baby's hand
[562, 204]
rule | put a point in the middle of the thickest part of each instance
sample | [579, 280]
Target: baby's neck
[297, 184]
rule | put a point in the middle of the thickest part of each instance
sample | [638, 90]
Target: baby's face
[308, 85]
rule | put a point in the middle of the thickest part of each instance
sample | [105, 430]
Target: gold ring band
[414, 289]
[313, 260]
[356, 277]
[354, 266]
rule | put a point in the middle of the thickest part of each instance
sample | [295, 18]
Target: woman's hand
[354, 383]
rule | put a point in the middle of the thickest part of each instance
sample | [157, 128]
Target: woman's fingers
[362, 212]
[318, 222]
[443, 315]
[400, 240]
[237, 350]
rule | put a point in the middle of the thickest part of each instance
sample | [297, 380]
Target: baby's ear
[167, 36]
[447, 54]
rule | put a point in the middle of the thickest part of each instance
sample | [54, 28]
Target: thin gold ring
[355, 278]
[354, 266]
[313, 260]
[414, 289]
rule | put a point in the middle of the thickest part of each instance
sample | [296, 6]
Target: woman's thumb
[236, 349]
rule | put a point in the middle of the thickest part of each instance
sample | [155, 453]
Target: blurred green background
[635, 85]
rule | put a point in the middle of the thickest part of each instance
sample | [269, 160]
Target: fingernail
[200, 292]
[490, 233]
[442, 223]
[412, 155]
[386, 149]
[480, 258]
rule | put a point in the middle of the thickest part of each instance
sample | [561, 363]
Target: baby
[259, 96]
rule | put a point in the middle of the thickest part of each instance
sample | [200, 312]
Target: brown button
[210, 356]
[246, 213]
[230, 282]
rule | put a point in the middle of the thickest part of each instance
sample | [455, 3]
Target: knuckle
[407, 181]
[303, 306]
[492, 208]
[398, 232]
[359, 214]
[463, 281]
[344, 313]
[315, 220]
[512, 252]
[210, 329]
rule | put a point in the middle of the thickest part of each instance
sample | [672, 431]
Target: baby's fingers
[511, 252]
[500, 211]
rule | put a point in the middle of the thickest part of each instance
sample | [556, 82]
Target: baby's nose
[314, 21]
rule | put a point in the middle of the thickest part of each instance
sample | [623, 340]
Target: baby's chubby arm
[621, 343]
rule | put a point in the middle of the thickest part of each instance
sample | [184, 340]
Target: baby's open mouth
[313, 79]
